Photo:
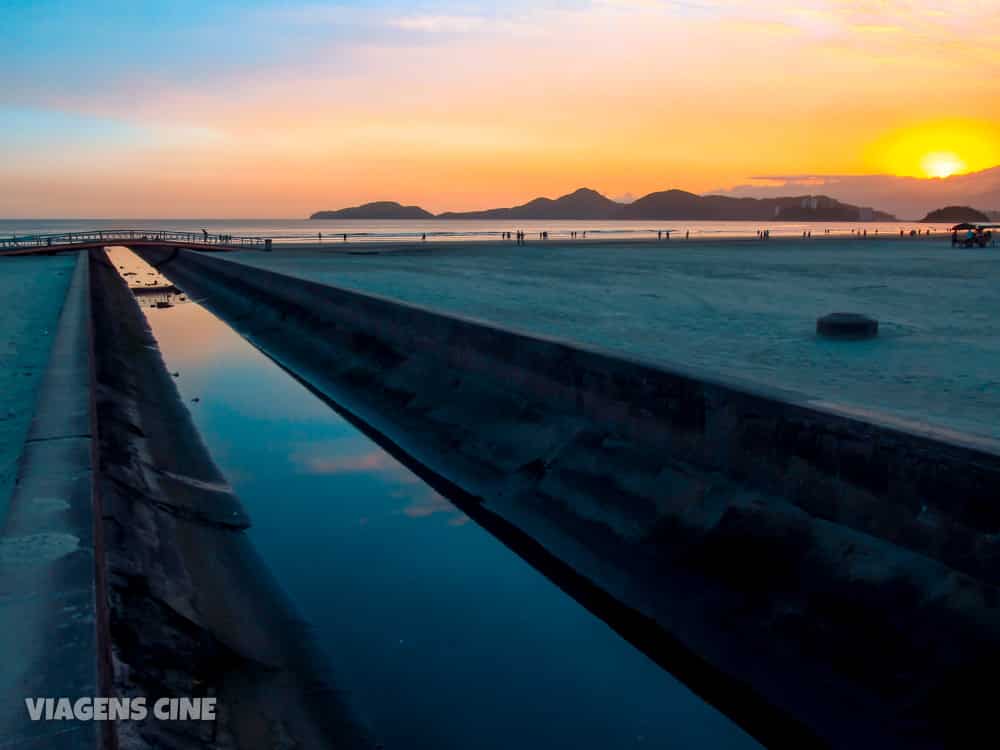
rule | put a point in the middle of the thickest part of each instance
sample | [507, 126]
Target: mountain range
[908, 197]
[666, 205]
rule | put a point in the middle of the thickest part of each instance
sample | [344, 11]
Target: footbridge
[55, 243]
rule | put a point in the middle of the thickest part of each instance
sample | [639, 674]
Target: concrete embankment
[52, 613]
[193, 611]
[843, 571]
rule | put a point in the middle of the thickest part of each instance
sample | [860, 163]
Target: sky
[278, 109]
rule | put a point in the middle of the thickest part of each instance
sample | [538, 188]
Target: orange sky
[459, 106]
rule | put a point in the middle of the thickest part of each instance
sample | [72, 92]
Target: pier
[55, 243]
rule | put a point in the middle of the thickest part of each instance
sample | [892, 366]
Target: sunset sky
[235, 109]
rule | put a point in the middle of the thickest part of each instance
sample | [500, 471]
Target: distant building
[866, 213]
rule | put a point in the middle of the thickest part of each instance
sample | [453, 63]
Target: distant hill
[956, 213]
[667, 205]
[678, 204]
[376, 210]
[580, 204]
[908, 197]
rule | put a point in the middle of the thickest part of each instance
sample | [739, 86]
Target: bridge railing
[123, 236]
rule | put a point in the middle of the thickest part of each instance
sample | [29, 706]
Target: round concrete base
[847, 326]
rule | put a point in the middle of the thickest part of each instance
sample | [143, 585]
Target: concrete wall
[53, 621]
[824, 580]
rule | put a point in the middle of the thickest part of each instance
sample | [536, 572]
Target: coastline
[355, 242]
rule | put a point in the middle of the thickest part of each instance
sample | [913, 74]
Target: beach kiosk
[974, 235]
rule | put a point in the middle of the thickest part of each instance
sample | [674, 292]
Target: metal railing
[124, 236]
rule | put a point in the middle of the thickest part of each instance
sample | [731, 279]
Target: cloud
[440, 24]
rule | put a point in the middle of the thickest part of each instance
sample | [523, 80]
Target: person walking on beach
[320, 235]
[423, 237]
[204, 233]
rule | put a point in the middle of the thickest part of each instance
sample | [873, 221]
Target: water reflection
[150, 288]
[347, 457]
[446, 638]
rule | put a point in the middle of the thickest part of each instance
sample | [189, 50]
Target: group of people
[519, 236]
[220, 238]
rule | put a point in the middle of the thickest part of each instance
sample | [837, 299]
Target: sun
[935, 148]
[941, 164]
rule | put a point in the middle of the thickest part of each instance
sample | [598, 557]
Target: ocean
[359, 230]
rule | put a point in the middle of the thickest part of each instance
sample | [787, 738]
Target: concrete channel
[193, 610]
[822, 579]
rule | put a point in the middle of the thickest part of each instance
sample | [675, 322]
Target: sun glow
[941, 164]
[940, 148]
